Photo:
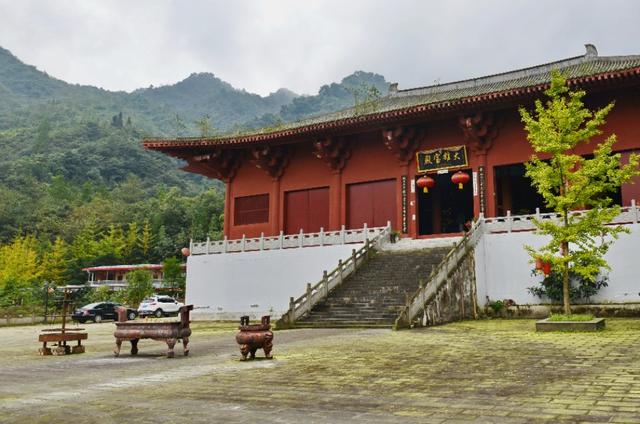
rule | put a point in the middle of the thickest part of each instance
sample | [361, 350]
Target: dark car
[98, 311]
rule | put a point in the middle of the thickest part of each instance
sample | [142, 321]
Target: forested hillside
[76, 184]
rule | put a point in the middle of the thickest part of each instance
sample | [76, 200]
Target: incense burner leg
[44, 350]
[171, 344]
[244, 350]
[116, 352]
[185, 345]
[78, 349]
[60, 350]
[134, 346]
[253, 352]
[268, 345]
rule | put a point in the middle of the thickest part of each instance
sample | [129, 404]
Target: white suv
[159, 306]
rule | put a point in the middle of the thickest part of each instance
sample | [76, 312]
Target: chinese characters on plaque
[445, 158]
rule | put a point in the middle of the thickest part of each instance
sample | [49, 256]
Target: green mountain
[88, 140]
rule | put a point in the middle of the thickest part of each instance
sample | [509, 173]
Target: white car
[159, 306]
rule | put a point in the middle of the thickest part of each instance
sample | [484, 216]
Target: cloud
[264, 45]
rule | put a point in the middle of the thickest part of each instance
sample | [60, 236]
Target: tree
[131, 243]
[205, 127]
[173, 276]
[569, 182]
[19, 269]
[139, 286]
[102, 294]
[55, 263]
[146, 239]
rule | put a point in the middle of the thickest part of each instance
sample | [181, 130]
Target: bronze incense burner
[252, 337]
[168, 332]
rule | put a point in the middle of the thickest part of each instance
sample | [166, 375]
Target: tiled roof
[401, 103]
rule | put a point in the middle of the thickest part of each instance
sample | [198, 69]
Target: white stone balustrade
[512, 223]
[288, 241]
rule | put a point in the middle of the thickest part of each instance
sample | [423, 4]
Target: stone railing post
[365, 231]
[261, 241]
[321, 236]
[308, 297]
[634, 211]
[353, 259]
[281, 239]
[292, 311]
[301, 238]
[208, 249]
[244, 243]
[342, 235]
[508, 221]
[325, 284]
[225, 245]
[339, 271]
[191, 246]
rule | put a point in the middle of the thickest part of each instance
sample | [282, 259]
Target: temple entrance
[514, 191]
[445, 208]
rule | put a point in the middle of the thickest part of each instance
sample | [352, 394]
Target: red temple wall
[371, 161]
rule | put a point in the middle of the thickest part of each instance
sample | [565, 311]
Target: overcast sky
[301, 44]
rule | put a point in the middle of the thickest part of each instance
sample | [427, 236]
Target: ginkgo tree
[569, 182]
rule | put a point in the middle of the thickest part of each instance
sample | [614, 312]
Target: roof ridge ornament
[591, 50]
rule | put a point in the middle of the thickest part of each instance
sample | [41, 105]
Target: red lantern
[460, 178]
[546, 268]
[185, 251]
[539, 264]
[425, 183]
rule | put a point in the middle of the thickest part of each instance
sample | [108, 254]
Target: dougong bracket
[272, 159]
[403, 142]
[335, 151]
[218, 163]
[481, 129]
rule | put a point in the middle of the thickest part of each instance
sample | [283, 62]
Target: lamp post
[46, 300]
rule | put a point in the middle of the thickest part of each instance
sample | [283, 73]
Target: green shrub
[579, 288]
[139, 286]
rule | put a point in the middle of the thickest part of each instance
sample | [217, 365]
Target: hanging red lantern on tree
[546, 268]
[425, 183]
[539, 263]
[460, 178]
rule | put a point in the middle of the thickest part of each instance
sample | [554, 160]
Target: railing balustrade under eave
[301, 306]
[512, 223]
[287, 241]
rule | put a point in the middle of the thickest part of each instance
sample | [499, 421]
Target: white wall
[503, 270]
[225, 286]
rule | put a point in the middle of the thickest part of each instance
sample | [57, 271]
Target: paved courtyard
[484, 371]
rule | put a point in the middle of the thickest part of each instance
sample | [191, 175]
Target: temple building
[361, 165]
[307, 203]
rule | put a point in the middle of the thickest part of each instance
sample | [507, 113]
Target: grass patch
[572, 317]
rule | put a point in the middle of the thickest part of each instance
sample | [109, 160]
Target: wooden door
[307, 210]
[371, 203]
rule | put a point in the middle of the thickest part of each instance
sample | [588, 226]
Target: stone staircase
[377, 292]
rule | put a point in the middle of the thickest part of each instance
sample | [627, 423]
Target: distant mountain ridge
[49, 127]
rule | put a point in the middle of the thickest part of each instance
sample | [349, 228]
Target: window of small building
[251, 209]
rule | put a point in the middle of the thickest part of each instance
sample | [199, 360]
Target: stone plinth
[592, 325]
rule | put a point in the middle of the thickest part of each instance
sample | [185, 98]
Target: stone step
[376, 293]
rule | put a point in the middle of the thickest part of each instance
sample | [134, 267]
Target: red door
[307, 210]
[371, 203]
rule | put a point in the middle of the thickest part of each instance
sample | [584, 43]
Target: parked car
[159, 306]
[99, 311]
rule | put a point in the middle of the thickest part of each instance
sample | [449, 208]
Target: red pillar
[335, 201]
[227, 209]
[274, 207]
